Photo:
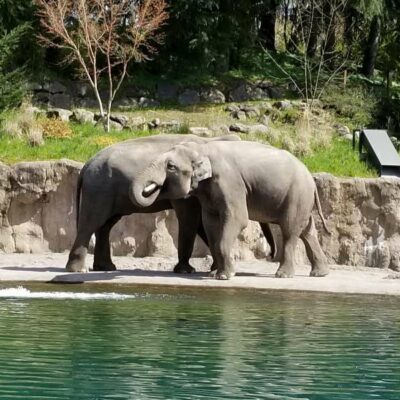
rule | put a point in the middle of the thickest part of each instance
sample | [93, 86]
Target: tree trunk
[371, 49]
[389, 78]
[295, 34]
[98, 98]
[313, 40]
[350, 20]
[266, 32]
[285, 25]
[330, 24]
[108, 119]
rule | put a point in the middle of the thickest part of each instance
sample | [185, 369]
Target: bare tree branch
[120, 31]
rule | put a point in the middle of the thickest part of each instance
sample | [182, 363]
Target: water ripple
[22, 293]
[202, 346]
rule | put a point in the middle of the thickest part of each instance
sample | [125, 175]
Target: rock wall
[38, 211]
[70, 94]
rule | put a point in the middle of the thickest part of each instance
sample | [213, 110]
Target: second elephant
[235, 182]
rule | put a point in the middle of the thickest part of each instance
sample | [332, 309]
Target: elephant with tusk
[235, 181]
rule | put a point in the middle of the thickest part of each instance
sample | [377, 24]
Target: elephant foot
[222, 275]
[284, 272]
[104, 267]
[213, 269]
[182, 268]
[321, 270]
[76, 266]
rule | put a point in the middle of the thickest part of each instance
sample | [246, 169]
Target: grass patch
[339, 159]
[85, 141]
[317, 147]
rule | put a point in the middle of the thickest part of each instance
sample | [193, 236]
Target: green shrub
[356, 105]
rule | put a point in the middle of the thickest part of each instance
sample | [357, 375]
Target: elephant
[235, 182]
[103, 198]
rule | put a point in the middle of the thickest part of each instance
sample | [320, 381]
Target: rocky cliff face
[38, 212]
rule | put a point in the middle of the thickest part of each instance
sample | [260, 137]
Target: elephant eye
[171, 166]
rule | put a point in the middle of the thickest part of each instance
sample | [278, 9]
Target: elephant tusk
[150, 189]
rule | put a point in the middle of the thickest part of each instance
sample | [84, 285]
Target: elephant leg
[286, 267]
[102, 254]
[77, 255]
[89, 223]
[202, 233]
[213, 268]
[293, 222]
[188, 213]
[222, 236]
[270, 239]
[319, 265]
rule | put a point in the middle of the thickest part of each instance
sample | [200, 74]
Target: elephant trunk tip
[144, 195]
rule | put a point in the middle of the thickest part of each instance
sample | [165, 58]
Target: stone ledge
[157, 272]
[37, 214]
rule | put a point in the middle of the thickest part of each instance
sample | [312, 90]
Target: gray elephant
[103, 198]
[235, 182]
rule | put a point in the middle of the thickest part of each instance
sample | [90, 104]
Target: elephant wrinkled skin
[235, 182]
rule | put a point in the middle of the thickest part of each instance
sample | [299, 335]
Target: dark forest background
[213, 38]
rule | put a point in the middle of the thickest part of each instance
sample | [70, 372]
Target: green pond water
[196, 344]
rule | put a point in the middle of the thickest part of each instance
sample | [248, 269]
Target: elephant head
[173, 175]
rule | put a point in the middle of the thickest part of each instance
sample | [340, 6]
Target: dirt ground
[158, 271]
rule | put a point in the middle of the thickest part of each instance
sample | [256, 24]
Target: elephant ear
[202, 169]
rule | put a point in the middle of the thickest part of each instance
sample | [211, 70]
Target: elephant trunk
[146, 187]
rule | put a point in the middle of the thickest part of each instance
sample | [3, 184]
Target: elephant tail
[270, 239]
[78, 195]
[318, 203]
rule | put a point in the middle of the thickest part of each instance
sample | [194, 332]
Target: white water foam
[22, 293]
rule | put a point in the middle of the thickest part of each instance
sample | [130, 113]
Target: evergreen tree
[12, 78]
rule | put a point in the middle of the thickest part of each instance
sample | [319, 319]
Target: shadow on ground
[102, 276]
[115, 275]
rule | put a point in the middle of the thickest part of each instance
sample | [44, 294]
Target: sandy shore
[157, 271]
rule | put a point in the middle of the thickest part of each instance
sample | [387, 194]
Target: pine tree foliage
[12, 77]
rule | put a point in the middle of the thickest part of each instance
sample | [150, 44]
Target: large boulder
[59, 113]
[246, 91]
[81, 89]
[54, 87]
[146, 102]
[212, 96]
[60, 100]
[167, 91]
[200, 131]
[249, 129]
[189, 98]
[125, 104]
[258, 129]
[83, 116]
[137, 124]
[170, 126]
[240, 128]
[88, 102]
[121, 119]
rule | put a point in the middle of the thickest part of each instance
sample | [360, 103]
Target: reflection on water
[200, 345]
